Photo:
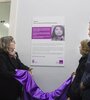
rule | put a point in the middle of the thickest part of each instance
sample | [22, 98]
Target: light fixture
[4, 23]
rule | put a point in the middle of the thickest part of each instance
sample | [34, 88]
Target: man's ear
[3, 44]
[88, 43]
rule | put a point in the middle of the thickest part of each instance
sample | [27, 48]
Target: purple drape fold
[33, 92]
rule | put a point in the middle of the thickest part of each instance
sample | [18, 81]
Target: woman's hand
[73, 74]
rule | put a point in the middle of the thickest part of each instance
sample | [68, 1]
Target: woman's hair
[85, 47]
[5, 42]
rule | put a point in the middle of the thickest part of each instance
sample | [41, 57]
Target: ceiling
[4, 0]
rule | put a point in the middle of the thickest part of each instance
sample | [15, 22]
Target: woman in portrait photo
[58, 33]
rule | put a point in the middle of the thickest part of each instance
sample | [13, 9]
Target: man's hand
[82, 87]
[68, 98]
[30, 70]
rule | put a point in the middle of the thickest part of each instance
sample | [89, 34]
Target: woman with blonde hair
[85, 81]
[75, 92]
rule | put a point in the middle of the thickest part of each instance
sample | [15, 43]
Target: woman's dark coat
[74, 91]
[86, 81]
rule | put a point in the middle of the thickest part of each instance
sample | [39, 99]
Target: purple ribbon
[33, 92]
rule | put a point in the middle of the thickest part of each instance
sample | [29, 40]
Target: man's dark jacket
[10, 89]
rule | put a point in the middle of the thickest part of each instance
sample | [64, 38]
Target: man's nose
[89, 33]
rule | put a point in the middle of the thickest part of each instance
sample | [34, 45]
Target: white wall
[13, 17]
[76, 13]
[4, 0]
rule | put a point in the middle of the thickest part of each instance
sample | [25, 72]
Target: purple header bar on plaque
[41, 32]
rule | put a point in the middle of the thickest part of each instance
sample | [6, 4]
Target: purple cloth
[33, 92]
